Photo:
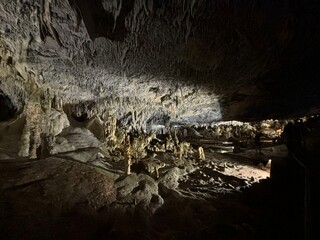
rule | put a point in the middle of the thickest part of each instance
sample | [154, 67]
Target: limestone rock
[77, 138]
[139, 190]
[58, 122]
[171, 177]
[148, 62]
[4, 156]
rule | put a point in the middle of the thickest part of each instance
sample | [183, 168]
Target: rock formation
[159, 62]
[137, 108]
[201, 154]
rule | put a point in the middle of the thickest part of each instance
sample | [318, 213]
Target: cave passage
[7, 109]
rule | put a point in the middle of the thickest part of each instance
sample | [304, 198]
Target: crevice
[99, 22]
[25, 185]
[7, 108]
[9, 61]
[46, 28]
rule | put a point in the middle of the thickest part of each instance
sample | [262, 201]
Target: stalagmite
[169, 143]
[110, 125]
[201, 154]
[127, 156]
[33, 128]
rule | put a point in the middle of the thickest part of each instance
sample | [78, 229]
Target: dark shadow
[99, 22]
[9, 61]
[7, 109]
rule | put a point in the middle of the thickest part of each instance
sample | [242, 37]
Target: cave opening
[158, 123]
[9, 61]
[80, 118]
[7, 108]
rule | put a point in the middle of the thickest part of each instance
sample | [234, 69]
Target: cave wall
[194, 61]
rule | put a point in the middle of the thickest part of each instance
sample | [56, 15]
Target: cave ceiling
[190, 61]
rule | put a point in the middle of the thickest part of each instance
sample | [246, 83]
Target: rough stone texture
[71, 196]
[170, 179]
[139, 190]
[189, 61]
[58, 122]
[75, 138]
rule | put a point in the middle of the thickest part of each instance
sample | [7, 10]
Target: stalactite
[188, 25]
[117, 9]
[192, 3]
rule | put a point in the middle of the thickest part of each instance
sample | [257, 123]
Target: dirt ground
[227, 196]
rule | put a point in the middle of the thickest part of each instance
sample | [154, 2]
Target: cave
[7, 109]
[158, 119]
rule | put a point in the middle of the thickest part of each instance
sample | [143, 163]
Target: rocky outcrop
[73, 139]
[139, 191]
[58, 122]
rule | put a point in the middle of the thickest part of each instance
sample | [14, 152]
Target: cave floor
[225, 197]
